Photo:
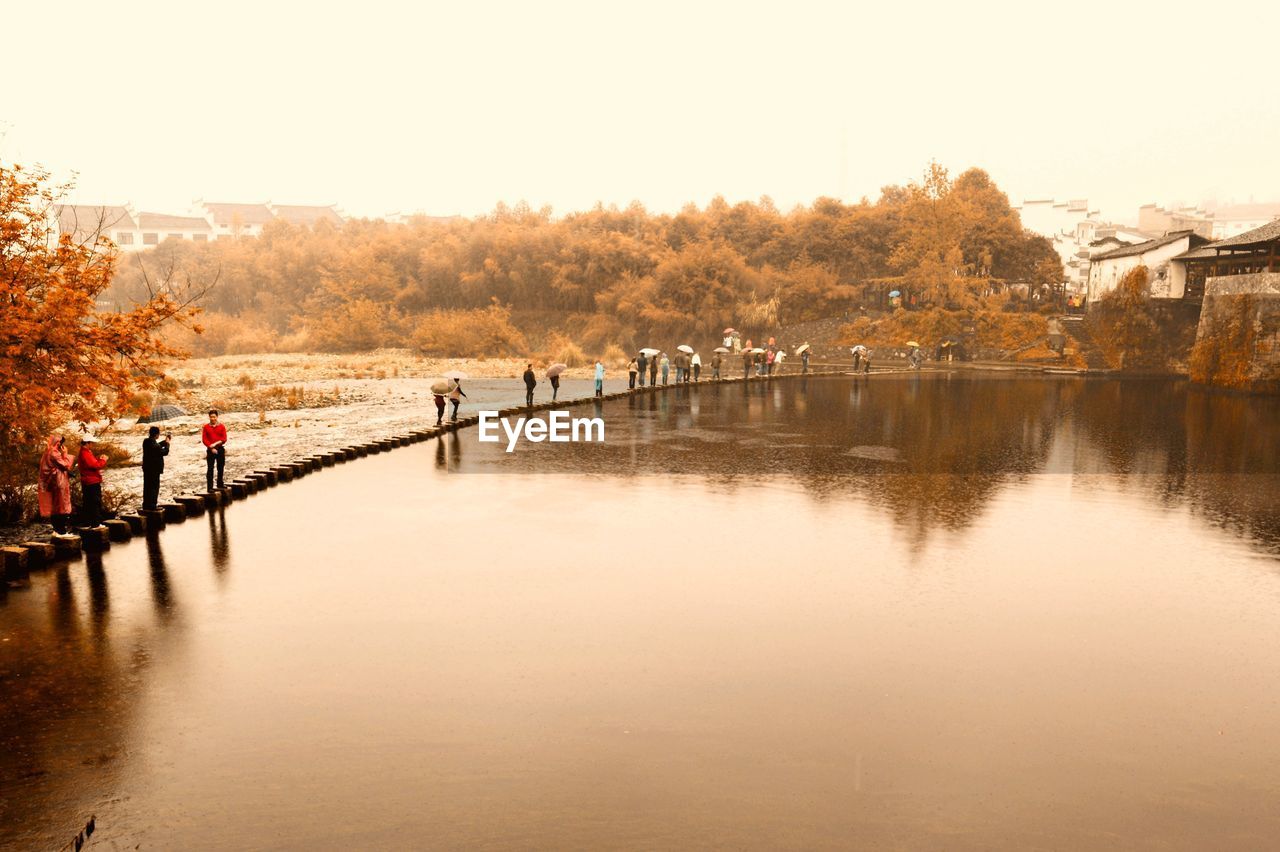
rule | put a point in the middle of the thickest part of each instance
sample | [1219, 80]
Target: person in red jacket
[214, 436]
[90, 482]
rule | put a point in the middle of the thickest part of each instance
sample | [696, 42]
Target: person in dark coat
[530, 382]
[439, 409]
[153, 453]
[642, 363]
[555, 386]
[653, 370]
[747, 360]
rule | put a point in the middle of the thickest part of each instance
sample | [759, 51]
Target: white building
[233, 220]
[86, 222]
[158, 227]
[1233, 220]
[306, 215]
[1075, 232]
[1167, 280]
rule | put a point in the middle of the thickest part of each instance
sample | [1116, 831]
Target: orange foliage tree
[62, 359]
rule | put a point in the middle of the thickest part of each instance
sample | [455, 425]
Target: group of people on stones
[57, 466]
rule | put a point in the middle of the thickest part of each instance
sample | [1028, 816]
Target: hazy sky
[449, 108]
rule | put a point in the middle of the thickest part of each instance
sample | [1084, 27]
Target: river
[917, 612]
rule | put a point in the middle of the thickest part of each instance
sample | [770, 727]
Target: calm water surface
[944, 613]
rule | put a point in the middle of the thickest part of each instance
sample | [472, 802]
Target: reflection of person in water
[218, 543]
[160, 591]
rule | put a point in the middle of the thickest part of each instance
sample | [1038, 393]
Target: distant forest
[604, 276]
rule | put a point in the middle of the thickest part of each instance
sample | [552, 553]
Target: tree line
[616, 273]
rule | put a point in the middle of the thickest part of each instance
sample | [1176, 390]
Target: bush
[468, 333]
[614, 358]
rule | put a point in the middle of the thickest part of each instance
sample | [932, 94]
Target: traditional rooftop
[1151, 245]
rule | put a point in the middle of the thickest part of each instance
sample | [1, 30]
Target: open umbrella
[442, 387]
[162, 412]
[802, 348]
[650, 352]
[556, 369]
[721, 350]
[684, 347]
[893, 294]
[455, 374]
[913, 344]
[859, 348]
[755, 350]
[730, 331]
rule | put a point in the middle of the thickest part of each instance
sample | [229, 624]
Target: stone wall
[1238, 339]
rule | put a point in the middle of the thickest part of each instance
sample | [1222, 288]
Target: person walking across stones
[153, 452]
[716, 361]
[804, 359]
[91, 466]
[530, 382]
[214, 437]
[555, 386]
[653, 371]
[666, 367]
[747, 360]
[632, 369]
[643, 364]
[54, 496]
[696, 361]
[456, 396]
[439, 399]
[599, 378]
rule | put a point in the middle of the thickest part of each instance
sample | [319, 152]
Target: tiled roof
[243, 214]
[1265, 234]
[301, 214]
[161, 221]
[1150, 245]
[83, 220]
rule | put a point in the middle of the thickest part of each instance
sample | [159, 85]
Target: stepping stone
[239, 491]
[40, 554]
[66, 546]
[269, 475]
[191, 505]
[94, 538]
[328, 459]
[174, 513]
[137, 523]
[155, 519]
[283, 473]
[13, 560]
[118, 530]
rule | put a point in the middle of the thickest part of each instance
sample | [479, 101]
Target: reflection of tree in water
[932, 451]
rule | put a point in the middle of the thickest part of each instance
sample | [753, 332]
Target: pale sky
[449, 108]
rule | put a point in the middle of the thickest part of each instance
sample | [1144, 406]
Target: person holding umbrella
[666, 368]
[456, 395]
[643, 364]
[697, 366]
[804, 357]
[653, 369]
[530, 382]
[632, 369]
[439, 400]
[153, 453]
[748, 358]
[553, 374]
[721, 351]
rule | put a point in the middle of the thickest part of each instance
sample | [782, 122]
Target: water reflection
[159, 572]
[219, 543]
[933, 451]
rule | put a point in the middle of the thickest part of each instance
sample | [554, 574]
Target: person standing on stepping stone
[439, 409]
[214, 436]
[455, 397]
[153, 453]
[653, 370]
[55, 483]
[599, 378]
[530, 382]
[90, 482]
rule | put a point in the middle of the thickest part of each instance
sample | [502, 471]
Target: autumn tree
[62, 358]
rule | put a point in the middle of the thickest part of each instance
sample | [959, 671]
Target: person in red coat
[214, 436]
[90, 482]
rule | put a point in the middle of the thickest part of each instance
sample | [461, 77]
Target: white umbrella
[442, 387]
[556, 369]
[455, 374]
[650, 352]
[684, 347]
[858, 348]
[756, 351]
[802, 348]
[721, 350]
